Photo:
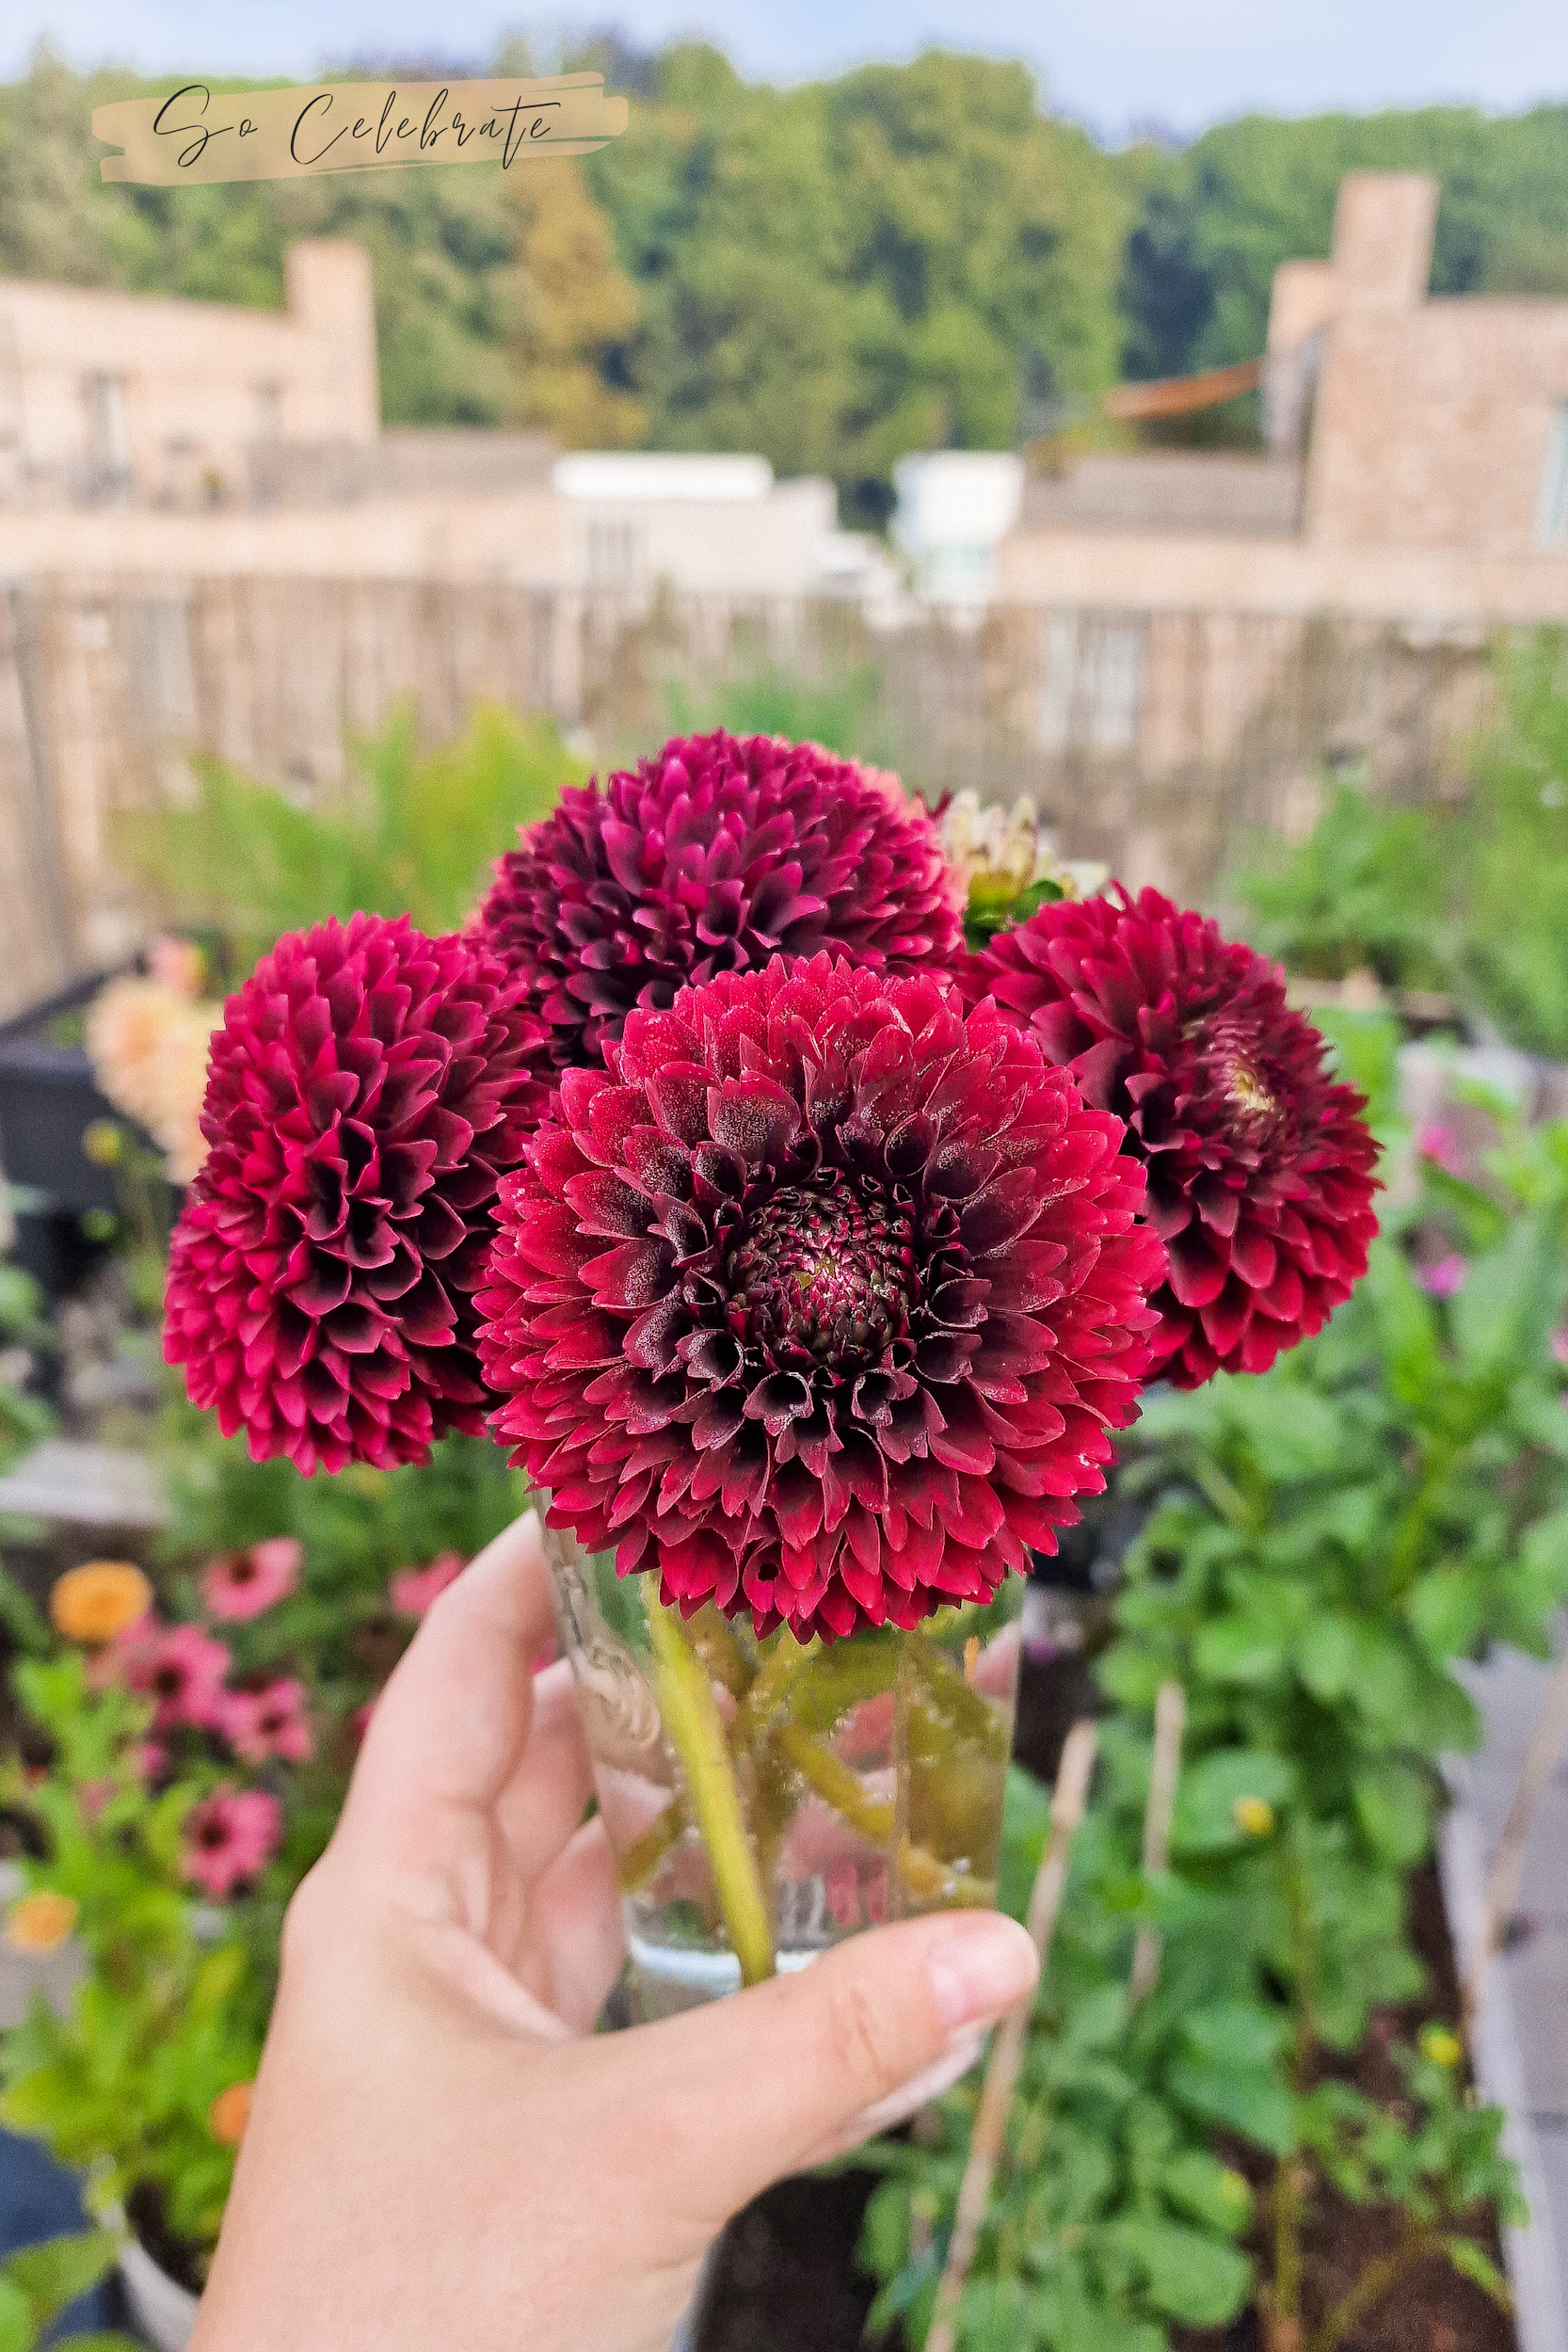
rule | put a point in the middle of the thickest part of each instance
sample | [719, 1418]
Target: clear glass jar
[767, 1798]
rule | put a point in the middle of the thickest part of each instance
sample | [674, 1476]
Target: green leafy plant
[37, 2282]
[1365, 892]
[1512, 885]
[23, 1420]
[840, 713]
[180, 1975]
[410, 835]
[1323, 1541]
[168, 2015]
[1111, 2217]
[1439, 2167]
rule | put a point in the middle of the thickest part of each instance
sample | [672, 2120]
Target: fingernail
[979, 1970]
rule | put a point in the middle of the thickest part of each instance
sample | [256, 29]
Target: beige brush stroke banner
[197, 135]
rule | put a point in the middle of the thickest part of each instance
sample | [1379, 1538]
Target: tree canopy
[899, 258]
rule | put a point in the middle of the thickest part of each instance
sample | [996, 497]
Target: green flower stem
[644, 1855]
[965, 1712]
[691, 1718]
[836, 1784]
[817, 1686]
[719, 1651]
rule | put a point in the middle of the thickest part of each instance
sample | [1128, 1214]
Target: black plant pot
[48, 1100]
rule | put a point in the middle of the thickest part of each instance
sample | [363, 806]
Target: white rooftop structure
[665, 475]
[955, 507]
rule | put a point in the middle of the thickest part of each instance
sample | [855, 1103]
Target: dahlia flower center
[826, 1269]
[1248, 1093]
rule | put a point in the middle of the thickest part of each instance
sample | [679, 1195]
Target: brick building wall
[121, 398]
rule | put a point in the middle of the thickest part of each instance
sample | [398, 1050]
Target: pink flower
[366, 1090]
[268, 1723]
[152, 1760]
[246, 1583]
[1444, 1277]
[413, 1592]
[1440, 1145]
[178, 962]
[1559, 1343]
[93, 1796]
[712, 856]
[230, 1835]
[179, 1666]
[820, 1299]
[1260, 1167]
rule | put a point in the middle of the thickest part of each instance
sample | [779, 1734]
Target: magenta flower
[820, 1301]
[244, 1584]
[415, 1591]
[712, 856]
[231, 1836]
[366, 1091]
[1444, 1276]
[179, 1666]
[1261, 1176]
[272, 1721]
[1440, 1145]
[1559, 1343]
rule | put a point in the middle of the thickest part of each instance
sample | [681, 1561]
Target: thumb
[794, 2071]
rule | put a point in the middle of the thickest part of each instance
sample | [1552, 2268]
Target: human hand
[439, 2150]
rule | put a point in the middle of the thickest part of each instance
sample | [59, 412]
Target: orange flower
[41, 1922]
[99, 1599]
[229, 2114]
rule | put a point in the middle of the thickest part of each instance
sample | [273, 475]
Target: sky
[1114, 64]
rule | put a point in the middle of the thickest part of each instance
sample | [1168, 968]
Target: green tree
[1217, 218]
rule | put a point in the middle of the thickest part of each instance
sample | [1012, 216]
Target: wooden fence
[1153, 738]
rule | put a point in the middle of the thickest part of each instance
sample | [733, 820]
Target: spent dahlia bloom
[148, 1041]
[272, 1721]
[230, 1835]
[712, 856]
[367, 1087]
[181, 1668]
[414, 1592]
[245, 1584]
[1260, 1174]
[820, 1299]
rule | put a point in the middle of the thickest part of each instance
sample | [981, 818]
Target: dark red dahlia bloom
[820, 1299]
[710, 857]
[1260, 1171]
[366, 1091]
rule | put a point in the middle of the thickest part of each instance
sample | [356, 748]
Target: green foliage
[416, 836]
[37, 2282]
[176, 1995]
[1512, 881]
[450, 292]
[161, 2022]
[839, 713]
[1111, 2216]
[23, 1420]
[1217, 218]
[1365, 892]
[1325, 1541]
[906, 257]
[1475, 903]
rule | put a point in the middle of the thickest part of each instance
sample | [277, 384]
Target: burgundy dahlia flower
[712, 856]
[366, 1091]
[820, 1299]
[1261, 1176]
